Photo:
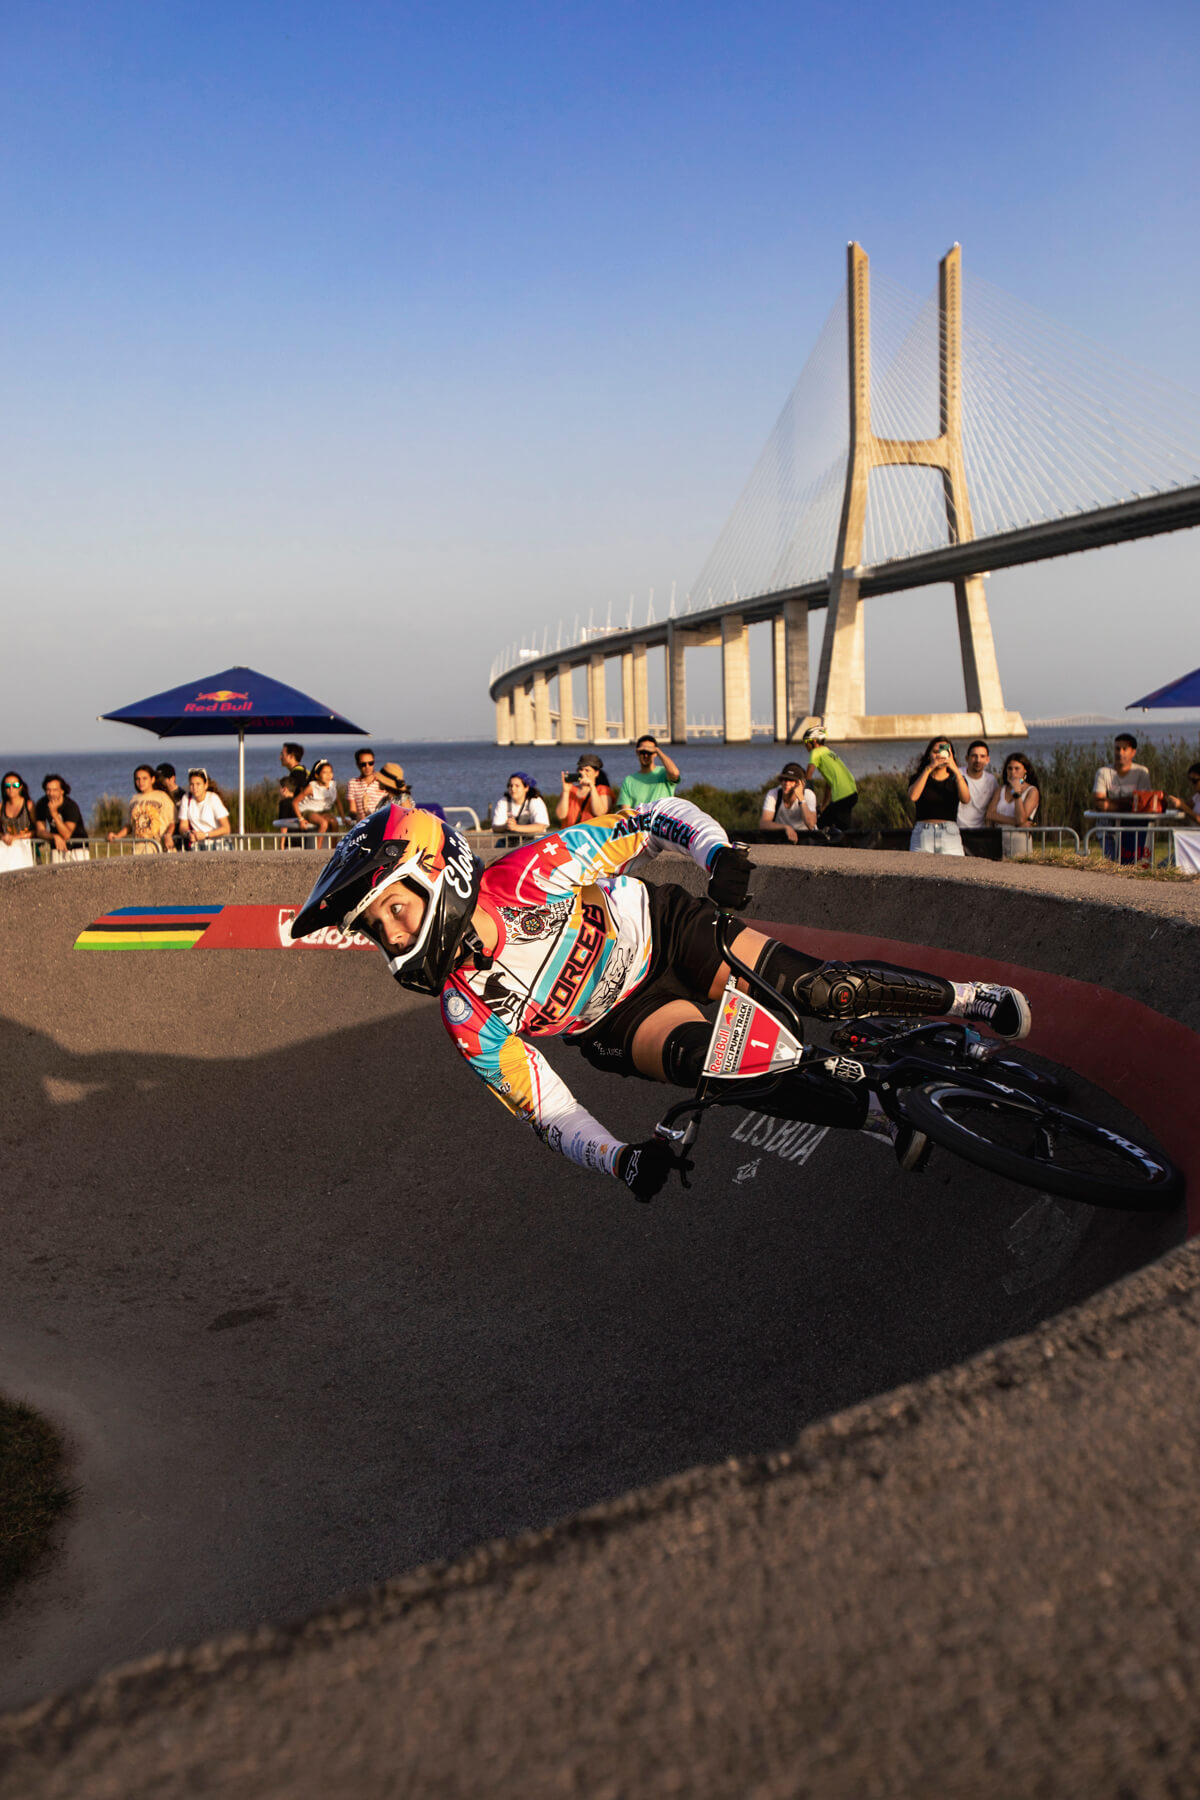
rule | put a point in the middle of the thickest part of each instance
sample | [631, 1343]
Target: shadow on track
[321, 1312]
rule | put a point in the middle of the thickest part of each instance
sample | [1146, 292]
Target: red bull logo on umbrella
[220, 700]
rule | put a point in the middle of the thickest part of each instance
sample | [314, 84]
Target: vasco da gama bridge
[961, 434]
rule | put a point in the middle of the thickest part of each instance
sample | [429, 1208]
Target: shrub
[1068, 770]
[736, 810]
[108, 814]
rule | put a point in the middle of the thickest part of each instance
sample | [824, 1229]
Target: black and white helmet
[400, 843]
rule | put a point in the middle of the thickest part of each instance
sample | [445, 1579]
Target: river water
[473, 772]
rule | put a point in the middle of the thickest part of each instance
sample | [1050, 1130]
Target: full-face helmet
[400, 843]
[814, 735]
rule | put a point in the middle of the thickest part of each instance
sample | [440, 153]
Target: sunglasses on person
[366, 762]
[12, 784]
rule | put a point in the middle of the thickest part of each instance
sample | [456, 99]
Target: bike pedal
[913, 1149]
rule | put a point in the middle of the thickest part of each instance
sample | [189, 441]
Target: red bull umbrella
[1183, 692]
[235, 701]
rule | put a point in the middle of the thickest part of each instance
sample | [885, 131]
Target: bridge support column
[566, 704]
[641, 693]
[789, 645]
[504, 719]
[735, 678]
[542, 734]
[981, 672]
[522, 715]
[841, 695]
[597, 702]
[841, 687]
[676, 684]
[627, 726]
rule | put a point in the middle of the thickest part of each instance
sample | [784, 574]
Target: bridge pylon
[841, 700]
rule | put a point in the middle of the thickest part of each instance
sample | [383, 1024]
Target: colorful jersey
[574, 940]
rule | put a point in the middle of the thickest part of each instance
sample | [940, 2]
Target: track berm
[817, 1479]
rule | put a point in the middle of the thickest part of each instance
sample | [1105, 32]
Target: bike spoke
[1029, 1131]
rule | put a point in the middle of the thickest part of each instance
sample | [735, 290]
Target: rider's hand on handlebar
[646, 1168]
[729, 877]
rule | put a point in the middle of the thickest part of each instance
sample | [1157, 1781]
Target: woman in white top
[791, 807]
[203, 815]
[316, 805]
[521, 811]
[1015, 803]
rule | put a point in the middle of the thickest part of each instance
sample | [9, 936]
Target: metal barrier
[1148, 844]
[1016, 839]
[102, 850]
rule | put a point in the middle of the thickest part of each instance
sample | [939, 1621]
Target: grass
[1097, 864]
[33, 1494]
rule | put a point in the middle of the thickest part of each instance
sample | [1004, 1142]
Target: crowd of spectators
[55, 820]
[946, 798]
[586, 792]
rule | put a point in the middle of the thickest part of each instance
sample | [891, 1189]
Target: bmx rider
[554, 939]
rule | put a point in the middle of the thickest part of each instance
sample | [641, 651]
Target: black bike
[943, 1078]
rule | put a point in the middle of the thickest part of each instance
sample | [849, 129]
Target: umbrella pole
[241, 782]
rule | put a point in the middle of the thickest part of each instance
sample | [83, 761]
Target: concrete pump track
[818, 1479]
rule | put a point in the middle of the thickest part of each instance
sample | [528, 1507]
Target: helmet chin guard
[396, 844]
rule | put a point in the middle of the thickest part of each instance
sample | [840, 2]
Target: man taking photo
[657, 776]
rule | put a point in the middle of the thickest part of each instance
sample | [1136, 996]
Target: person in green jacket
[843, 789]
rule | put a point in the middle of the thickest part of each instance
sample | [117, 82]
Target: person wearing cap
[829, 767]
[587, 794]
[521, 811]
[657, 776]
[165, 781]
[791, 807]
[394, 790]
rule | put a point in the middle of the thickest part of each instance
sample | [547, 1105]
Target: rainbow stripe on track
[148, 928]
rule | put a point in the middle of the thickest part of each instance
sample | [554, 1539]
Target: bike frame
[961, 1049]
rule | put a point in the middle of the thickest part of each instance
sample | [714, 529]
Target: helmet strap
[471, 948]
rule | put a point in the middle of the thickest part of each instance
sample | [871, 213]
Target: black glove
[646, 1168]
[729, 877]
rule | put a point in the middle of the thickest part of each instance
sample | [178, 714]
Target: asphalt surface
[315, 1312]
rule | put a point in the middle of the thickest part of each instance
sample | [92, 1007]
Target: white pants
[937, 837]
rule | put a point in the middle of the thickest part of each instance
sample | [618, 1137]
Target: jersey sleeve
[581, 854]
[523, 1081]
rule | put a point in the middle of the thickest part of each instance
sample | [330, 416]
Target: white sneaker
[1005, 1009]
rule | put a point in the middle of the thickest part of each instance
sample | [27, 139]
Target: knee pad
[683, 1052]
[839, 990]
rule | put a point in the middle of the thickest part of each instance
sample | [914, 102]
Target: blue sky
[350, 342]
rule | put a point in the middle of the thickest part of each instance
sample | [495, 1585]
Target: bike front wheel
[1041, 1146]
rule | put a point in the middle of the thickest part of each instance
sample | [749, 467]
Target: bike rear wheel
[1038, 1144]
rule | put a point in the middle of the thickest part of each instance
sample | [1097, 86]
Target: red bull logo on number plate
[748, 1040]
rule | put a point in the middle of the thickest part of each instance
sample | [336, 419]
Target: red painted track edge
[1149, 1063]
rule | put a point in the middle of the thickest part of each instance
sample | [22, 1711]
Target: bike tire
[1042, 1146]
[1039, 1084]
